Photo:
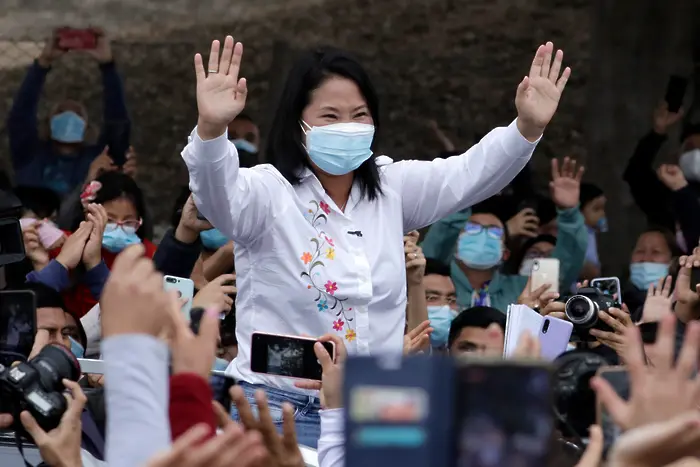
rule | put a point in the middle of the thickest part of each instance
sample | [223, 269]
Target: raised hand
[216, 293]
[523, 224]
[565, 187]
[92, 254]
[672, 176]
[101, 164]
[687, 297]
[33, 247]
[103, 51]
[616, 339]
[658, 301]
[538, 94]
[537, 298]
[221, 95]
[415, 263]
[131, 166]
[417, 339]
[331, 384]
[190, 225]
[72, 250]
[663, 119]
[51, 51]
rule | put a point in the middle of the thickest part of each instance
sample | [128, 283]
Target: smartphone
[76, 39]
[498, 426]
[554, 337]
[675, 91]
[619, 380]
[94, 367]
[220, 384]
[545, 271]
[17, 325]
[694, 278]
[288, 356]
[609, 286]
[185, 291]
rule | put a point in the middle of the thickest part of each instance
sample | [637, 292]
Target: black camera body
[582, 310]
[36, 386]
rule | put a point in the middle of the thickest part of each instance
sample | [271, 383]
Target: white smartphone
[609, 286]
[185, 290]
[288, 356]
[94, 367]
[545, 271]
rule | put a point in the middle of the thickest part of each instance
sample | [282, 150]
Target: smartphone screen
[288, 356]
[609, 286]
[76, 39]
[675, 91]
[497, 425]
[17, 325]
[619, 380]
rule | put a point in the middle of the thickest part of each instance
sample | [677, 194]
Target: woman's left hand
[538, 94]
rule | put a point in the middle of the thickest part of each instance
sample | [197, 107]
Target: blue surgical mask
[339, 148]
[245, 145]
[480, 251]
[440, 320]
[76, 348]
[602, 225]
[642, 275]
[116, 240]
[67, 127]
[213, 239]
[220, 364]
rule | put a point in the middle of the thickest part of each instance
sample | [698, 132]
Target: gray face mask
[690, 165]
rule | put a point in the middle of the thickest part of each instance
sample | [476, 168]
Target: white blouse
[305, 267]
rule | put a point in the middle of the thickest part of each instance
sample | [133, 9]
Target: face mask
[220, 364]
[602, 225]
[213, 239]
[67, 127]
[245, 145]
[117, 239]
[440, 320]
[480, 251]
[340, 148]
[642, 275]
[690, 165]
[76, 348]
[526, 267]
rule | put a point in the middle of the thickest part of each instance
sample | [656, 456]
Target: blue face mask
[116, 240]
[440, 320]
[213, 239]
[340, 148]
[602, 225]
[67, 127]
[220, 364]
[642, 275]
[482, 250]
[76, 348]
[245, 145]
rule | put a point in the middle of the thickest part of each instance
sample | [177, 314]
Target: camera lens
[580, 309]
[54, 363]
[170, 280]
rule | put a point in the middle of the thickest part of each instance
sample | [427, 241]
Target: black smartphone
[675, 91]
[498, 426]
[220, 385]
[195, 319]
[17, 325]
[619, 380]
[694, 278]
[288, 356]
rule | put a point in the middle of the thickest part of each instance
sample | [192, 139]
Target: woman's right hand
[221, 95]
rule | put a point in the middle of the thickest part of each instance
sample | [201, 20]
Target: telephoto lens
[582, 310]
[36, 386]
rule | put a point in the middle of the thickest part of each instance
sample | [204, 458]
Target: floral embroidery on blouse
[322, 247]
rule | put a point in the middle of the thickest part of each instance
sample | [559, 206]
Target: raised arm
[433, 190]
[238, 202]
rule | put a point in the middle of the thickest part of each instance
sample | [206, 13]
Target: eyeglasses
[128, 227]
[491, 230]
[434, 297]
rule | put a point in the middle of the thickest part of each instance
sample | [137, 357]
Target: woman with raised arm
[318, 231]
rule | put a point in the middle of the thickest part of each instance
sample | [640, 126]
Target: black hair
[497, 206]
[117, 185]
[688, 130]
[42, 201]
[46, 297]
[546, 210]
[284, 149]
[433, 266]
[475, 317]
[245, 117]
[588, 193]
[668, 237]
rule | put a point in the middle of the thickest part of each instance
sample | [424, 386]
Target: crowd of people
[323, 241]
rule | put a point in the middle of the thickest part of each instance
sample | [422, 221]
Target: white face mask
[690, 165]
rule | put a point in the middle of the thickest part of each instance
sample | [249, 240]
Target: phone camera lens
[535, 265]
[170, 280]
[545, 327]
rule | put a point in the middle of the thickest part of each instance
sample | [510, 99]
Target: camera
[36, 386]
[582, 310]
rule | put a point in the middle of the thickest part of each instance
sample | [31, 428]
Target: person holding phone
[318, 232]
[60, 160]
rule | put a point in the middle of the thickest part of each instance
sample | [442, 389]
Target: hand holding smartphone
[545, 271]
[675, 91]
[287, 356]
[76, 39]
[185, 291]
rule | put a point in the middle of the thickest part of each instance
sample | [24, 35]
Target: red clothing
[190, 404]
[78, 299]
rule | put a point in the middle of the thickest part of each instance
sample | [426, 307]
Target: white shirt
[300, 271]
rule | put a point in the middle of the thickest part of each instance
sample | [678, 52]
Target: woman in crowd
[318, 232]
[592, 205]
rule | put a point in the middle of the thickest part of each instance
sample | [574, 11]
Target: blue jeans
[306, 417]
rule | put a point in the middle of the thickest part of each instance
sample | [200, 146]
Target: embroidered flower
[328, 240]
[330, 253]
[322, 305]
[324, 207]
[349, 335]
[331, 287]
[338, 324]
[306, 257]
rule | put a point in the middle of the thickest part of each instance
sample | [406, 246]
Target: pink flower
[338, 325]
[329, 240]
[324, 207]
[331, 287]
